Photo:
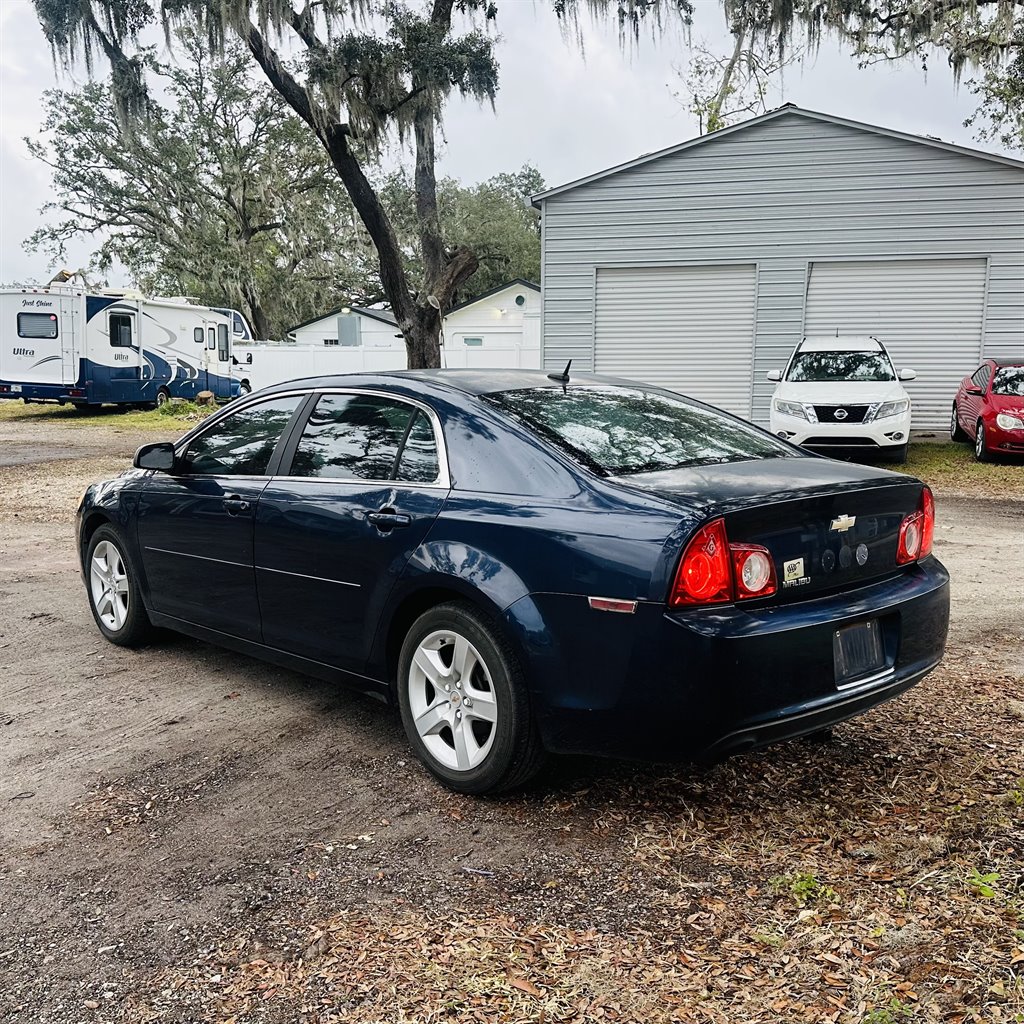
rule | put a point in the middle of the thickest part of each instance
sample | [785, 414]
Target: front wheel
[163, 396]
[898, 455]
[956, 432]
[464, 702]
[244, 389]
[114, 590]
[981, 452]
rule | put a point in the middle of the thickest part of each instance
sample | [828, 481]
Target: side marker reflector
[611, 604]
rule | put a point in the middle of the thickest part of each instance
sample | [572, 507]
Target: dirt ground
[189, 835]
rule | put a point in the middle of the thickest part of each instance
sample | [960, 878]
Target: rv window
[37, 325]
[199, 335]
[236, 324]
[120, 330]
[223, 351]
[211, 338]
[473, 342]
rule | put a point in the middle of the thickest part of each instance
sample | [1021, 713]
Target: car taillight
[713, 571]
[928, 511]
[917, 531]
[754, 570]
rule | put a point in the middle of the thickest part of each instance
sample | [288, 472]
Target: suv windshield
[1009, 381]
[831, 366]
[616, 430]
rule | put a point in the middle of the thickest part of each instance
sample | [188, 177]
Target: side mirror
[907, 375]
[159, 455]
[972, 390]
[774, 375]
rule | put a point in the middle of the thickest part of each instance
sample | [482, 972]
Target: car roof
[1003, 363]
[470, 382]
[841, 343]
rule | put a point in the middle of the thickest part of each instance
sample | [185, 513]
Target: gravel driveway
[188, 835]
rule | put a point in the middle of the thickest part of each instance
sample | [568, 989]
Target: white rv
[62, 344]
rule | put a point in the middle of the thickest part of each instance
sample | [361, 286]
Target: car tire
[464, 702]
[113, 588]
[956, 432]
[898, 456]
[163, 396]
[981, 452]
[244, 389]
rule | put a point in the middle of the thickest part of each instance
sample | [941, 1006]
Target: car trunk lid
[828, 526]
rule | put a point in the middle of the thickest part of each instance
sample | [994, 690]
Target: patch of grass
[805, 889]
[173, 415]
[953, 468]
[895, 1012]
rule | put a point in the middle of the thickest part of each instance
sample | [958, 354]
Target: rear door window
[354, 437]
[419, 461]
[242, 443]
[617, 430]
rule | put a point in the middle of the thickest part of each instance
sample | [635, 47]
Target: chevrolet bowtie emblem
[843, 523]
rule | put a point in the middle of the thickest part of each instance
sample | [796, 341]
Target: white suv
[842, 393]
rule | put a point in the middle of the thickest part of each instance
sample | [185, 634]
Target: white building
[500, 328]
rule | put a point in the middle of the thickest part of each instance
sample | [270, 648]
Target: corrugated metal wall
[784, 193]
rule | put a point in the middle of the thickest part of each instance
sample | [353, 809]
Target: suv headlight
[886, 409]
[1009, 422]
[791, 409]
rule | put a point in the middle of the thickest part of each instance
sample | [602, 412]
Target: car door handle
[236, 505]
[388, 519]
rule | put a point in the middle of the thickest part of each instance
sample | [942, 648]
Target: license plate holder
[858, 652]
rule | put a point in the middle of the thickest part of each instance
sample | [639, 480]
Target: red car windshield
[1009, 381]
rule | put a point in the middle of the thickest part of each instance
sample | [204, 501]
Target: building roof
[385, 316]
[788, 110]
[522, 282]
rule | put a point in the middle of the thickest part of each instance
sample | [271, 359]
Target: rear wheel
[163, 396]
[244, 389]
[464, 702]
[114, 591]
[981, 452]
[956, 432]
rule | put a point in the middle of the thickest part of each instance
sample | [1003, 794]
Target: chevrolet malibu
[527, 563]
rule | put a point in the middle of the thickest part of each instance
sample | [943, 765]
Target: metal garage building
[700, 267]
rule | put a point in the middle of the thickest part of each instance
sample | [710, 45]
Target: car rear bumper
[715, 681]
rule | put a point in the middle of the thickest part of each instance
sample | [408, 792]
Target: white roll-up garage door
[690, 329]
[928, 313]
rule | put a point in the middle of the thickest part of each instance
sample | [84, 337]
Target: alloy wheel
[452, 700]
[979, 440]
[108, 585]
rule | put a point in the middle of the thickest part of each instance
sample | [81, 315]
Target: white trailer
[63, 344]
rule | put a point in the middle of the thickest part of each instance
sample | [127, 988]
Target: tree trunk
[423, 340]
[714, 111]
[257, 315]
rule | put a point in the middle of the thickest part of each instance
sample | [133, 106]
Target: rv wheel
[163, 396]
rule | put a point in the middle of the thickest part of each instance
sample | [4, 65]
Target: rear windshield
[1009, 381]
[616, 431]
[825, 366]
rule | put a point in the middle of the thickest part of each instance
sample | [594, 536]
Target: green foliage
[220, 193]
[1000, 114]
[894, 1013]
[805, 889]
[494, 219]
[982, 885]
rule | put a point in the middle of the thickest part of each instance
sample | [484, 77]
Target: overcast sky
[570, 113]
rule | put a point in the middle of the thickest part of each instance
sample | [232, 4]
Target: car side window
[242, 443]
[352, 437]
[419, 462]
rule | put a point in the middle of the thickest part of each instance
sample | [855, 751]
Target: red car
[989, 408]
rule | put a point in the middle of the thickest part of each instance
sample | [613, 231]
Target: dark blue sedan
[525, 563]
